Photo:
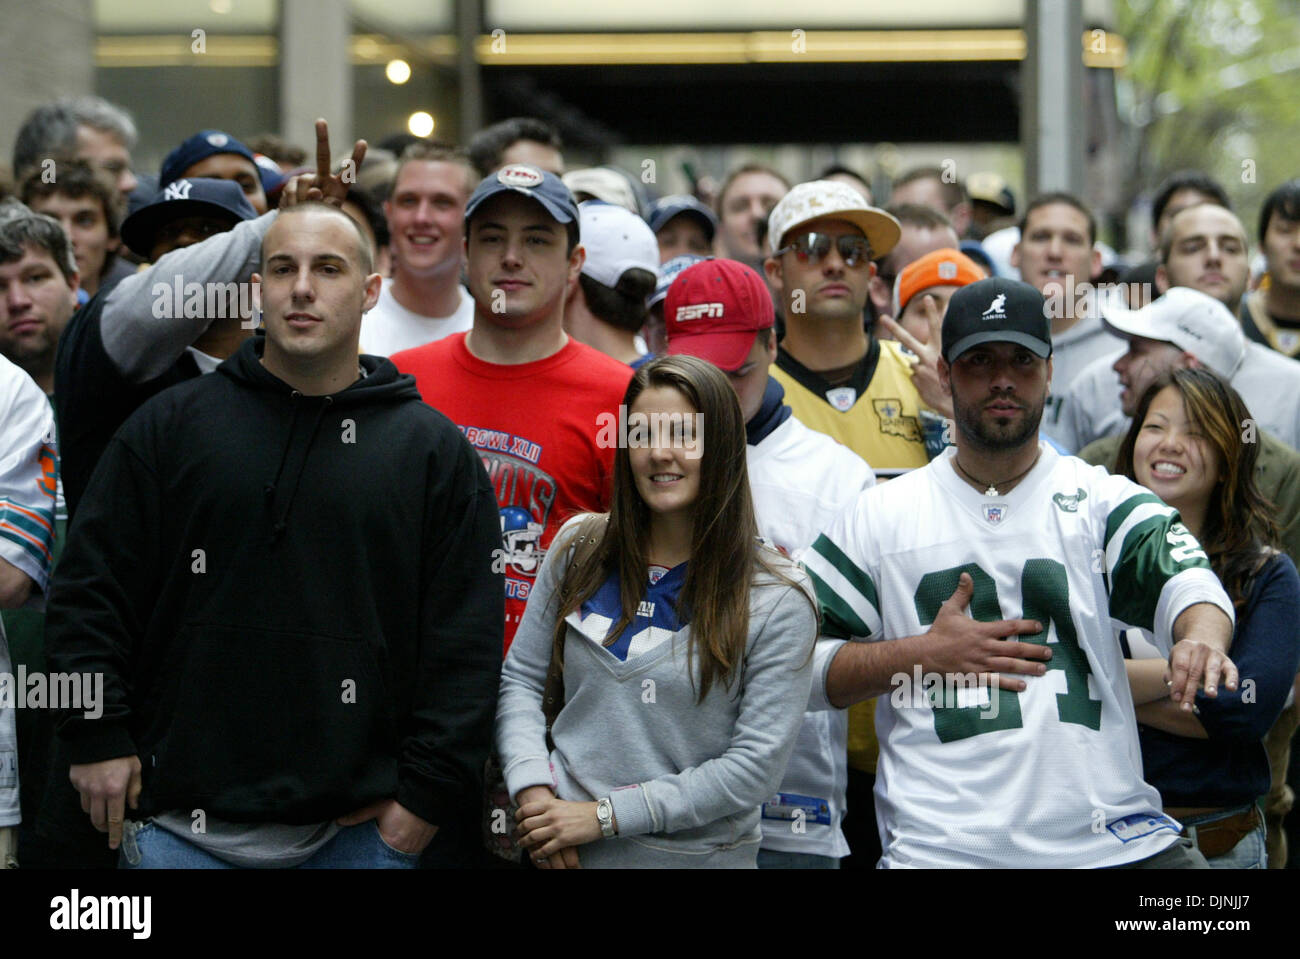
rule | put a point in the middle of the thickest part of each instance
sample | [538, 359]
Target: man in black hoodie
[285, 574]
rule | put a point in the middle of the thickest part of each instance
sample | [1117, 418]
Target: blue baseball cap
[202, 145]
[200, 196]
[546, 188]
[668, 272]
[661, 211]
[272, 176]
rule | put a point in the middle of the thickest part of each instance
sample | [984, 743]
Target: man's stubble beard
[32, 360]
[971, 427]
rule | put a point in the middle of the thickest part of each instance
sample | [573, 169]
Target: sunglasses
[811, 247]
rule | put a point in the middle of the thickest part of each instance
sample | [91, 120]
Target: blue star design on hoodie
[655, 622]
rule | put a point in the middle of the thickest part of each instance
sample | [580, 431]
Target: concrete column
[316, 73]
[469, 24]
[47, 51]
[1053, 119]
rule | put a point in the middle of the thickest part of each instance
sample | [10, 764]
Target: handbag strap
[553, 691]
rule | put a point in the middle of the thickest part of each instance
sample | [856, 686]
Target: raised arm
[143, 341]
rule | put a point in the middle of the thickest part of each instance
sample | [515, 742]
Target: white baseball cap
[603, 183]
[616, 240]
[1190, 320]
[818, 198]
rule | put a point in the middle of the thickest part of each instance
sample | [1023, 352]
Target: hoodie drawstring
[281, 524]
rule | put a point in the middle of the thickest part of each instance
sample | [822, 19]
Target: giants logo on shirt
[525, 496]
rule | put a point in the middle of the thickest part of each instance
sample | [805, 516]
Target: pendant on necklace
[991, 491]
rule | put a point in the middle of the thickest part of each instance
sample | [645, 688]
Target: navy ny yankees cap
[200, 196]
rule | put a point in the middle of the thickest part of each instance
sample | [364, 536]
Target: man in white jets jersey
[1003, 771]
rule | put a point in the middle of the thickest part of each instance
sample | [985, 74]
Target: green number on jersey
[961, 722]
[1046, 594]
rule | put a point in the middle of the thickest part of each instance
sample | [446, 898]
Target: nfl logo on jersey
[842, 398]
[995, 512]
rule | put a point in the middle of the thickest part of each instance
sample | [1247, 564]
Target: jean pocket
[129, 852]
[406, 856]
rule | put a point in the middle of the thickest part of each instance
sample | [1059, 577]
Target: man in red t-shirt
[528, 397]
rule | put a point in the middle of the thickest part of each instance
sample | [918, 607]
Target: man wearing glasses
[838, 378]
[842, 381]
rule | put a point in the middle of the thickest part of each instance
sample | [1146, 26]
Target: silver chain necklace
[993, 487]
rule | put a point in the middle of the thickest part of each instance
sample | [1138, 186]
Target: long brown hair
[725, 550]
[1239, 526]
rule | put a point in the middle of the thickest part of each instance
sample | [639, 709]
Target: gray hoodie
[685, 779]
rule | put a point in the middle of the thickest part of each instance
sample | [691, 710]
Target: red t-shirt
[535, 426]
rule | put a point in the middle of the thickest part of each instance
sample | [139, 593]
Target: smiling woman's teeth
[1168, 469]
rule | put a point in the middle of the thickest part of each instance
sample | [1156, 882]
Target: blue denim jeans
[776, 859]
[1249, 853]
[353, 847]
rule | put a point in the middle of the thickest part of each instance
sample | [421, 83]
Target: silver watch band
[605, 816]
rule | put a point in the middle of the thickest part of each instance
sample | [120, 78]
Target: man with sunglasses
[842, 381]
[838, 378]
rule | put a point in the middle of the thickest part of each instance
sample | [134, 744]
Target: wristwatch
[605, 816]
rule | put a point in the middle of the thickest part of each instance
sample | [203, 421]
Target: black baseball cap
[546, 188]
[996, 310]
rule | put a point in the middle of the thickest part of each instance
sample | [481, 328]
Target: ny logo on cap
[218, 139]
[996, 307]
[519, 175]
[180, 190]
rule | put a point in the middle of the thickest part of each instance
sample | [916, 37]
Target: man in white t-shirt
[423, 300]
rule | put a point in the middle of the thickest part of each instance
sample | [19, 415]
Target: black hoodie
[291, 599]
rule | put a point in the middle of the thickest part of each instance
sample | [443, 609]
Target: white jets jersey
[1052, 776]
[801, 480]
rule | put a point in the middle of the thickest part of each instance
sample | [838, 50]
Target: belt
[1221, 836]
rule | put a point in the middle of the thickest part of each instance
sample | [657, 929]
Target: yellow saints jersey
[876, 416]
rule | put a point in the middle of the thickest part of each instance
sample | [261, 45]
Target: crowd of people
[442, 506]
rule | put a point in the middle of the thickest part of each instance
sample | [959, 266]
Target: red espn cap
[714, 310]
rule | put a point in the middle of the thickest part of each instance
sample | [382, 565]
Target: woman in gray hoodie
[654, 690]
